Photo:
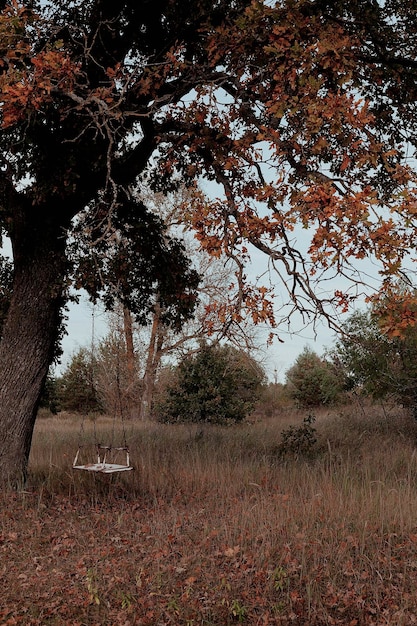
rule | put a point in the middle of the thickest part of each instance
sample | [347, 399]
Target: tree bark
[130, 363]
[28, 341]
[152, 363]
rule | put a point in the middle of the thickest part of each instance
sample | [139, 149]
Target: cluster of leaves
[313, 381]
[304, 73]
[30, 80]
[294, 77]
[376, 363]
[134, 261]
[219, 384]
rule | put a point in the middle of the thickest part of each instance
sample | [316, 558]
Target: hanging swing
[107, 459]
[97, 457]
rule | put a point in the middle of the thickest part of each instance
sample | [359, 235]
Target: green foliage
[143, 264]
[280, 579]
[313, 381]
[379, 365]
[299, 441]
[76, 389]
[50, 398]
[238, 611]
[219, 384]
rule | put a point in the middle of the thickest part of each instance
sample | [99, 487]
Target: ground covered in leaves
[246, 538]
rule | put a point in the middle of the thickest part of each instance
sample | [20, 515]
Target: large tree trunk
[27, 345]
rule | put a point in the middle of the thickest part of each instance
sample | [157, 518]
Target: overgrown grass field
[218, 525]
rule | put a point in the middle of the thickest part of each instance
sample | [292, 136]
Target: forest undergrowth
[287, 520]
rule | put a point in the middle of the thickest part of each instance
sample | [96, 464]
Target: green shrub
[299, 441]
[219, 384]
[312, 381]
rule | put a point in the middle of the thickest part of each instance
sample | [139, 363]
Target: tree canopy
[375, 362]
[300, 112]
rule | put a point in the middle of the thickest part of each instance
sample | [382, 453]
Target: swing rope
[106, 455]
[107, 459]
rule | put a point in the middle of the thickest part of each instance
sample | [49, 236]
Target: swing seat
[105, 463]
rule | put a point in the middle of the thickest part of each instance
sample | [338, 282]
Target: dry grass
[217, 527]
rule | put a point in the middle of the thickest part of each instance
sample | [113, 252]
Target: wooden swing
[107, 461]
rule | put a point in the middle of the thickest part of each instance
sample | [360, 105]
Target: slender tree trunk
[27, 345]
[130, 362]
[152, 362]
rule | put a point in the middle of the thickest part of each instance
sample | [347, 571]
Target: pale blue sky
[84, 320]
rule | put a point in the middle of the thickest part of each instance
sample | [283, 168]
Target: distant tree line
[217, 383]
[368, 357]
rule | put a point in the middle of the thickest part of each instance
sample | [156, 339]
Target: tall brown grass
[326, 538]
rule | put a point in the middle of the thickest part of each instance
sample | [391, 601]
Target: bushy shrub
[219, 384]
[312, 381]
[299, 441]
